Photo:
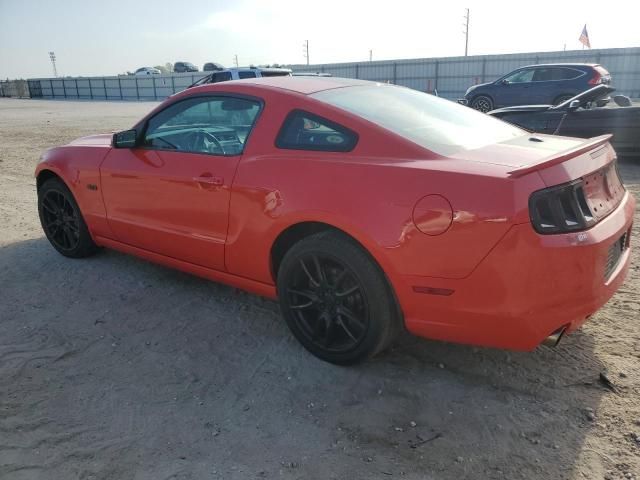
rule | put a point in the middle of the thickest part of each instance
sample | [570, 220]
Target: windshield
[442, 126]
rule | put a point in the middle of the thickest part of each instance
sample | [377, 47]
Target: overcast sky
[93, 37]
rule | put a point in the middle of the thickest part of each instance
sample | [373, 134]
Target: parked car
[240, 73]
[581, 117]
[549, 84]
[212, 67]
[143, 71]
[181, 67]
[362, 206]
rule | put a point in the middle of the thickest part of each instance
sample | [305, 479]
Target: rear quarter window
[306, 131]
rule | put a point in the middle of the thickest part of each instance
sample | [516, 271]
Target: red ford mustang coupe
[363, 207]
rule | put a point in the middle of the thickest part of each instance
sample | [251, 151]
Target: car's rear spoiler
[557, 158]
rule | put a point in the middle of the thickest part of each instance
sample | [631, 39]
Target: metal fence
[449, 76]
[14, 88]
[125, 87]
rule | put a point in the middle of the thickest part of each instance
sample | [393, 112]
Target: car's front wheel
[62, 220]
[482, 103]
[336, 299]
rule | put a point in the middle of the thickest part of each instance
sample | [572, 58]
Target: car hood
[521, 108]
[473, 87]
[101, 140]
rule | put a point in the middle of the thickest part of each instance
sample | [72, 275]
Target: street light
[52, 56]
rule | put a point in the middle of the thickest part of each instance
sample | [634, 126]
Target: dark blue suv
[536, 85]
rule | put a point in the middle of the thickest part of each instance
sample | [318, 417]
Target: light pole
[52, 56]
[305, 50]
[466, 33]
[370, 55]
[235, 60]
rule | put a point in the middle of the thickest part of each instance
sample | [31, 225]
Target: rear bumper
[527, 287]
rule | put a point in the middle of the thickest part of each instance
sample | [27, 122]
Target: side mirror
[573, 106]
[505, 82]
[126, 139]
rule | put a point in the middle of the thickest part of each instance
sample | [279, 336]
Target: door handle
[210, 180]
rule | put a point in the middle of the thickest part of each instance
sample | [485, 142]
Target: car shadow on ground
[112, 367]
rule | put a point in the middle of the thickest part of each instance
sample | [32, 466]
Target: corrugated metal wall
[451, 76]
[130, 87]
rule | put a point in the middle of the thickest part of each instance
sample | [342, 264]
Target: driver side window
[521, 77]
[209, 125]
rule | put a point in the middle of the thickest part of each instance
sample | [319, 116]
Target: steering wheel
[201, 140]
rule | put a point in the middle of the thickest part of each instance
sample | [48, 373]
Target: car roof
[304, 85]
[563, 65]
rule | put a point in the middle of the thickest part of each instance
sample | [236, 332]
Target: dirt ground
[115, 368]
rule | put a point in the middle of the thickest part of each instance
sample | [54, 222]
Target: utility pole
[235, 60]
[52, 56]
[466, 33]
[305, 50]
[370, 55]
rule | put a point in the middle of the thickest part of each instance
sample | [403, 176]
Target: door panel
[515, 89]
[170, 194]
[172, 203]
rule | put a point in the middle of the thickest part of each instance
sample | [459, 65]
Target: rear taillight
[560, 209]
[576, 205]
[596, 79]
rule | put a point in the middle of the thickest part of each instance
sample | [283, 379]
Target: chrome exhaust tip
[554, 339]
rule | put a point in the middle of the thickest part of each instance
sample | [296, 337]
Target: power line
[52, 56]
[466, 33]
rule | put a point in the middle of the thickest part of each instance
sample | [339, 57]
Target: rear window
[439, 125]
[274, 74]
[220, 77]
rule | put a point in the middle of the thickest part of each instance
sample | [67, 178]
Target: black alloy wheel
[329, 303]
[336, 299]
[482, 103]
[62, 221]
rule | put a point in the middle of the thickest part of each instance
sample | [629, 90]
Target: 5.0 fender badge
[92, 186]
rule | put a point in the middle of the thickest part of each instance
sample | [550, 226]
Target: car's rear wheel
[336, 300]
[562, 99]
[482, 103]
[62, 220]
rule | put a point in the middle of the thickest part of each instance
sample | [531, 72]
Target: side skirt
[258, 288]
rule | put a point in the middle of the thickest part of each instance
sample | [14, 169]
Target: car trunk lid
[554, 158]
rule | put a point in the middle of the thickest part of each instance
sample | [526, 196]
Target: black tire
[562, 98]
[62, 220]
[336, 299]
[482, 103]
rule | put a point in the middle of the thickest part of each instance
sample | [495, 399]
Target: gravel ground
[114, 368]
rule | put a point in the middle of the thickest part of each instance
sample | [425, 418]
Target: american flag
[584, 37]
